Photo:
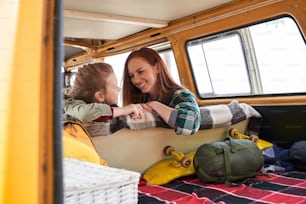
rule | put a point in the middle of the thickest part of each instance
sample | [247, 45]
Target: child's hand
[133, 110]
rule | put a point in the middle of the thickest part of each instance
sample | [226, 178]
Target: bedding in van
[289, 187]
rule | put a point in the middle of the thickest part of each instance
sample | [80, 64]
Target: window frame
[251, 65]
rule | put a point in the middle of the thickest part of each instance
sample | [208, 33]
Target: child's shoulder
[73, 100]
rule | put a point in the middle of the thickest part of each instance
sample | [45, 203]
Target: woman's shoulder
[183, 92]
[183, 96]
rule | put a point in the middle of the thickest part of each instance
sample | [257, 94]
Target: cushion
[212, 116]
[77, 144]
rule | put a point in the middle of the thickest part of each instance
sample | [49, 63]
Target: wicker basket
[86, 182]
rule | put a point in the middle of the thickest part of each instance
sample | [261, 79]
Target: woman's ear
[99, 96]
[157, 68]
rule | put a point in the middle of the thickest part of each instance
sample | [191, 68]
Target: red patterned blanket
[289, 187]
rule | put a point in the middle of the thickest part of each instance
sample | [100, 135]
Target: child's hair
[89, 79]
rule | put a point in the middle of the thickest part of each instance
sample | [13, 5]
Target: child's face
[111, 90]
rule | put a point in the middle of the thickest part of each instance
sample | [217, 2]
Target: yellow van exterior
[31, 59]
[26, 131]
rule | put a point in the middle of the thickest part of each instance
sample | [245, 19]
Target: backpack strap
[228, 169]
[233, 147]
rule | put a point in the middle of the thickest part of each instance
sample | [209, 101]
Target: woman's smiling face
[143, 75]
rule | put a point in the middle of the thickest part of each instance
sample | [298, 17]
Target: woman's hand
[134, 110]
[161, 109]
[148, 106]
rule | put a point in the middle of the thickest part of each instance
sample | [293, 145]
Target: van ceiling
[95, 21]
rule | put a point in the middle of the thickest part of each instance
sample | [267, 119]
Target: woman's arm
[182, 114]
[161, 109]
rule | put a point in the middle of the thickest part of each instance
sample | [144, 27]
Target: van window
[168, 57]
[262, 59]
[117, 62]
[166, 53]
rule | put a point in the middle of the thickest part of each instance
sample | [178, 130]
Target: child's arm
[134, 110]
[87, 112]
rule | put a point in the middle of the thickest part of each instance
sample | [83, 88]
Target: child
[95, 94]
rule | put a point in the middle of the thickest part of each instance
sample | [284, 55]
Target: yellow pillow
[78, 145]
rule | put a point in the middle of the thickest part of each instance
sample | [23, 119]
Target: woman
[147, 80]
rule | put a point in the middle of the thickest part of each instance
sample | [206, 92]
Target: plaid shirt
[186, 117]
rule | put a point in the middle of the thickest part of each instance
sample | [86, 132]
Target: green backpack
[231, 161]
